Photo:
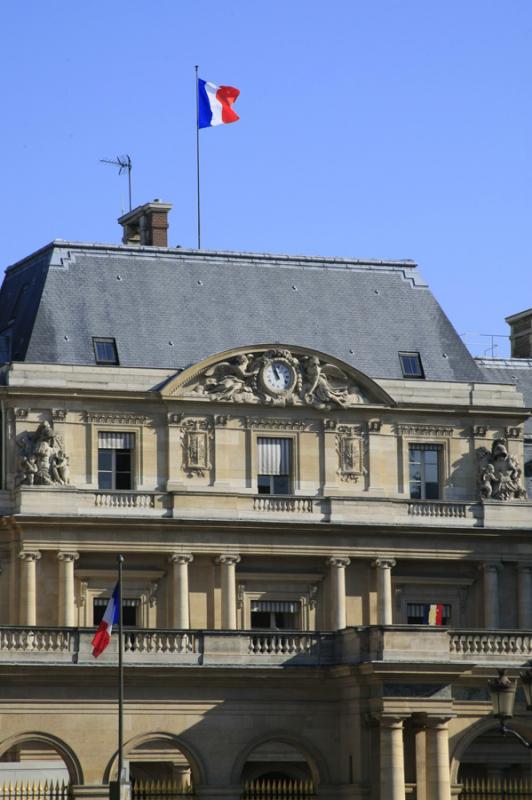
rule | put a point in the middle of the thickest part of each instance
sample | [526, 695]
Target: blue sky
[381, 129]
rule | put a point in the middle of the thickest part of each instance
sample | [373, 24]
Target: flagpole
[198, 159]
[120, 559]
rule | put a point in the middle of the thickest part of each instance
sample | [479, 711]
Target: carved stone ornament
[59, 414]
[349, 449]
[279, 378]
[116, 418]
[279, 424]
[42, 458]
[21, 413]
[500, 474]
[424, 430]
[197, 437]
[374, 425]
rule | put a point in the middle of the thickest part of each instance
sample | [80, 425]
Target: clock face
[278, 377]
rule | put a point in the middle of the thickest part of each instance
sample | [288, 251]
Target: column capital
[29, 555]
[228, 558]
[438, 721]
[383, 562]
[68, 556]
[338, 561]
[388, 720]
[181, 558]
[490, 566]
[524, 568]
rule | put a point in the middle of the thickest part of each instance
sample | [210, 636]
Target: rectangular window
[411, 365]
[115, 460]
[105, 351]
[274, 465]
[424, 471]
[426, 614]
[274, 615]
[129, 611]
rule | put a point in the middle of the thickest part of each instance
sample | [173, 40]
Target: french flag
[433, 614]
[102, 637]
[215, 104]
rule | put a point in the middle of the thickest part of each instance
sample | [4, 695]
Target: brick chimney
[147, 224]
[521, 334]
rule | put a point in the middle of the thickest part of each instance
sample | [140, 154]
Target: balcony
[399, 644]
[210, 504]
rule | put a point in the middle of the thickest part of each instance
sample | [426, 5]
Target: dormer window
[411, 365]
[105, 350]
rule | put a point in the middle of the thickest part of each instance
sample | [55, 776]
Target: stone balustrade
[209, 504]
[379, 643]
[290, 504]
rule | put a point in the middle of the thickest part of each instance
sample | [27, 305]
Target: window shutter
[274, 456]
[112, 440]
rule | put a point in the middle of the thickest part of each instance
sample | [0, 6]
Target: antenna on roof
[123, 163]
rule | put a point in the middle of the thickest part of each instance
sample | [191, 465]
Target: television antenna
[123, 163]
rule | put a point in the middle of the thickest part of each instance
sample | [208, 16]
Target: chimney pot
[146, 225]
[521, 334]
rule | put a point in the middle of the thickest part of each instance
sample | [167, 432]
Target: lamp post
[502, 692]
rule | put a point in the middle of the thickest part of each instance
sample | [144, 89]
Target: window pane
[411, 365]
[97, 614]
[260, 619]
[105, 459]
[431, 456]
[415, 491]
[281, 484]
[431, 473]
[415, 472]
[105, 351]
[129, 615]
[432, 491]
[105, 480]
[123, 460]
[264, 484]
[414, 456]
[123, 480]
[285, 620]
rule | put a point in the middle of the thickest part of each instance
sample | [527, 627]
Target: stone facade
[269, 633]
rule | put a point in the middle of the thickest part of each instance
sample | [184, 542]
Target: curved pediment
[278, 375]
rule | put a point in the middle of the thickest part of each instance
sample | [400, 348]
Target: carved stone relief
[279, 378]
[197, 439]
[279, 424]
[425, 430]
[115, 418]
[42, 458]
[349, 446]
[500, 474]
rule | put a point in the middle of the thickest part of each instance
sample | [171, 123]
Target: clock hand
[276, 373]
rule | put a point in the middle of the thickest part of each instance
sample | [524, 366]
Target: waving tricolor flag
[215, 104]
[102, 637]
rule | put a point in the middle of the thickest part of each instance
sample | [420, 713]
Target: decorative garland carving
[500, 474]
[59, 414]
[350, 455]
[279, 378]
[116, 418]
[42, 458]
[197, 441]
[425, 430]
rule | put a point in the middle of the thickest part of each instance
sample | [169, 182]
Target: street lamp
[502, 692]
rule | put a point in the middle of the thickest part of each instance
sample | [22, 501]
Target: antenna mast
[123, 163]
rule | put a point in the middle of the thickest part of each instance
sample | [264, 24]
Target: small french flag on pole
[215, 104]
[102, 637]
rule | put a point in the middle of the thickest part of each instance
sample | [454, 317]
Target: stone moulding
[114, 418]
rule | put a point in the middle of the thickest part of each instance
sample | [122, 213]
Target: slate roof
[511, 370]
[169, 308]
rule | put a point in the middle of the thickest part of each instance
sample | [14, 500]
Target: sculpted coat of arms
[500, 474]
[278, 377]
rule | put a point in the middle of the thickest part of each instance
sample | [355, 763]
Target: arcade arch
[39, 757]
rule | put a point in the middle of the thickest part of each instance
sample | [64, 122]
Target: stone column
[438, 772]
[180, 598]
[28, 597]
[228, 564]
[384, 568]
[421, 763]
[337, 574]
[67, 608]
[392, 764]
[524, 596]
[491, 595]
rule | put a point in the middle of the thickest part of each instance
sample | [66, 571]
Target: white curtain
[274, 456]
